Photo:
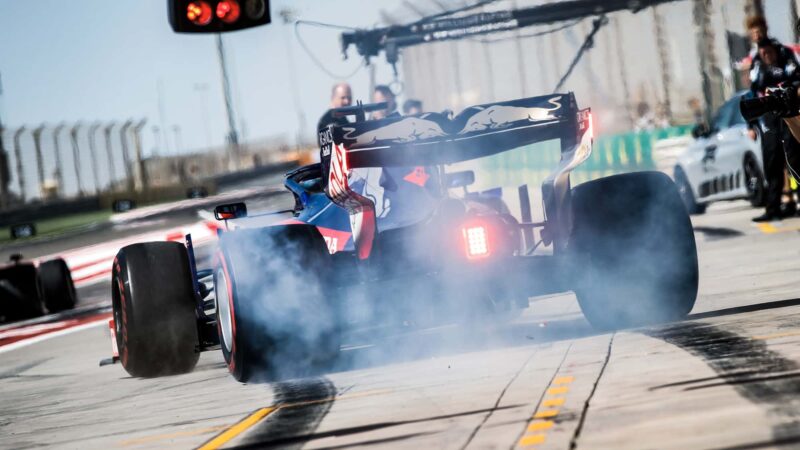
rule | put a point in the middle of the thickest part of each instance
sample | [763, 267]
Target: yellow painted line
[550, 402]
[540, 425]
[237, 429]
[558, 390]
[545, 414]
[767, 228]
[776, 335]
[533, 439]
[177, 434]
[207, 430]
[563, 380]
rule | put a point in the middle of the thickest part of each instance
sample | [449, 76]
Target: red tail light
[476, 240]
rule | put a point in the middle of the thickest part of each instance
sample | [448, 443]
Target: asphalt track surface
[726, 378]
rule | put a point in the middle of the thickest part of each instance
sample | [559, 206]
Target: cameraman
[774, 65]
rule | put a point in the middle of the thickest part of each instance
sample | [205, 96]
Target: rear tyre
[22, 293]
[273, 296]
[154, 309]
[687, 196]
[57, 287]
[634, 251]
[754, 182]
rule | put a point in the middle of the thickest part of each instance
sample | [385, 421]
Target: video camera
[781, 101]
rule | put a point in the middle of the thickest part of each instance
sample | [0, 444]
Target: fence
[41, 164]
[64, 161]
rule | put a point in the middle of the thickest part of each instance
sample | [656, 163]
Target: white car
[722, 163]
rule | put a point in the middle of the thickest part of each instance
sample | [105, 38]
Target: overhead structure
[451, 25]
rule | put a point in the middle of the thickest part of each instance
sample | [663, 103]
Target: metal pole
[520, 58]
[93, 153]
[76, 156]
[18, 156]
[708, 61]
[37, 134]
[754, 8]
[110, 152]
[57, 152]
[162, 115]
[431, 63]
[5, 172]
[233, 136]
[626, 92]
[178, 145]
[663, 56]
[141, 173]
[288, 16]
[37, 145]
[203, 89]
[123, 135]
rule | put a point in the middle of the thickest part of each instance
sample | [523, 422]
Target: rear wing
[433, 139]
[478, 131]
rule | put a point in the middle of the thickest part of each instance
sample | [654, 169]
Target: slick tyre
[272, 317]
[23, 297]
[57, 286]
[634, 253]
[154, 309]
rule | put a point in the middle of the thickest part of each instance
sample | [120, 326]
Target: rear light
[476, 240]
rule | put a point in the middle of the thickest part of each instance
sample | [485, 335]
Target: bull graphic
[407, 130]
[498, 116]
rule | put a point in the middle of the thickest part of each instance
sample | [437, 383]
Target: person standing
[383, 93]
[341, 96]
[773, 66]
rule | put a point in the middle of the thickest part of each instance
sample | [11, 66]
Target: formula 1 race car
[384, 220]
[29, 289]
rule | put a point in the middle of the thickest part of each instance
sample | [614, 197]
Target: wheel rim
[224, 315]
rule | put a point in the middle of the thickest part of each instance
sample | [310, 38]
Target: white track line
[46, 336]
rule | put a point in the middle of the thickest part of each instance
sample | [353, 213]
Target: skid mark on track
[19, 370]
[299, 440]
[754, 371]
[573, 443]
[301, 404]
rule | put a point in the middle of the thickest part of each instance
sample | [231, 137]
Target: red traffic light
[199, 13]
[228, 11]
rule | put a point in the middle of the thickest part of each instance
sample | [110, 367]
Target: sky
[105, 60]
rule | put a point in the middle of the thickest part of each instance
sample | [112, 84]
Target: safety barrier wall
[612, 154]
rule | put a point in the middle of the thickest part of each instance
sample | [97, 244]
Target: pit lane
[726, 378]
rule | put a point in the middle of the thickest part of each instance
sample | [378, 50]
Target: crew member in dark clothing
[772, 66]
[341, 96]
[382, 94]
